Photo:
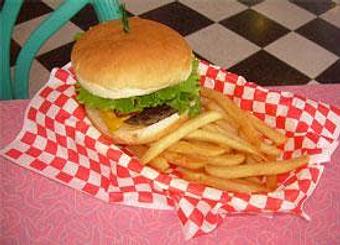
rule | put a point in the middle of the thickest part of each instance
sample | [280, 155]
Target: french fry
[190, 148]
[223, 140]
[226, 127]
[222, 184]
[271, 182]
[216, 129]
[262, 158]
[191, 175]
[269, 149]
[205, 101]
[212, 105]
[236, 113]
[221, 160]
[160, 163]
[251, 135]
[253, 179]
[215, 107]
[237, 137]
[222, 101]
[226, 160]
[212, 128]
[251, 160]
[185, 161]
[257, 169]
[267, 131]
[205, 145]
[138, 150]
[159, 146]
[234, 185]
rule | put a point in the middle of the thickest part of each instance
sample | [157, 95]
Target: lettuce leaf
[182, 97]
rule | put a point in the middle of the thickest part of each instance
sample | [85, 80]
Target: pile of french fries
[224, 147]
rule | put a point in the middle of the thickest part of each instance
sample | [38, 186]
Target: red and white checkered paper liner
[58, 141]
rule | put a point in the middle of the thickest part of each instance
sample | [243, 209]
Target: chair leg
[46, 29]
[106, 9]
[8, 16]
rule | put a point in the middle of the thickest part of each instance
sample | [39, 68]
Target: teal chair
[17, 87]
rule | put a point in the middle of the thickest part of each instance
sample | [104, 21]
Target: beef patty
[151, 115]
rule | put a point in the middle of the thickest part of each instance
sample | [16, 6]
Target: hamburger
[136, 86]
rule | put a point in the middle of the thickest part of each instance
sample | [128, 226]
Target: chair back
[17, 87]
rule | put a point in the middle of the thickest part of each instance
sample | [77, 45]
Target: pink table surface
[37, 210]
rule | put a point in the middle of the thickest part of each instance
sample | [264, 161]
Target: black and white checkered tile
[270, 42]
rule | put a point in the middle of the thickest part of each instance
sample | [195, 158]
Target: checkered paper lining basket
[58, 141]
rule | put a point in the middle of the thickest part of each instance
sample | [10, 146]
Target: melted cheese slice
[112, 121]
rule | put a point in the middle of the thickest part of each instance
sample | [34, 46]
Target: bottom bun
[134, 135]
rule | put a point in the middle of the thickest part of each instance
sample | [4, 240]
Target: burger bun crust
[113, 64]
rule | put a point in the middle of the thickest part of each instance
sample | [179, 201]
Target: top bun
[112, 64]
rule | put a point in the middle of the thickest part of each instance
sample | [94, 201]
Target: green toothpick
[125, 19]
